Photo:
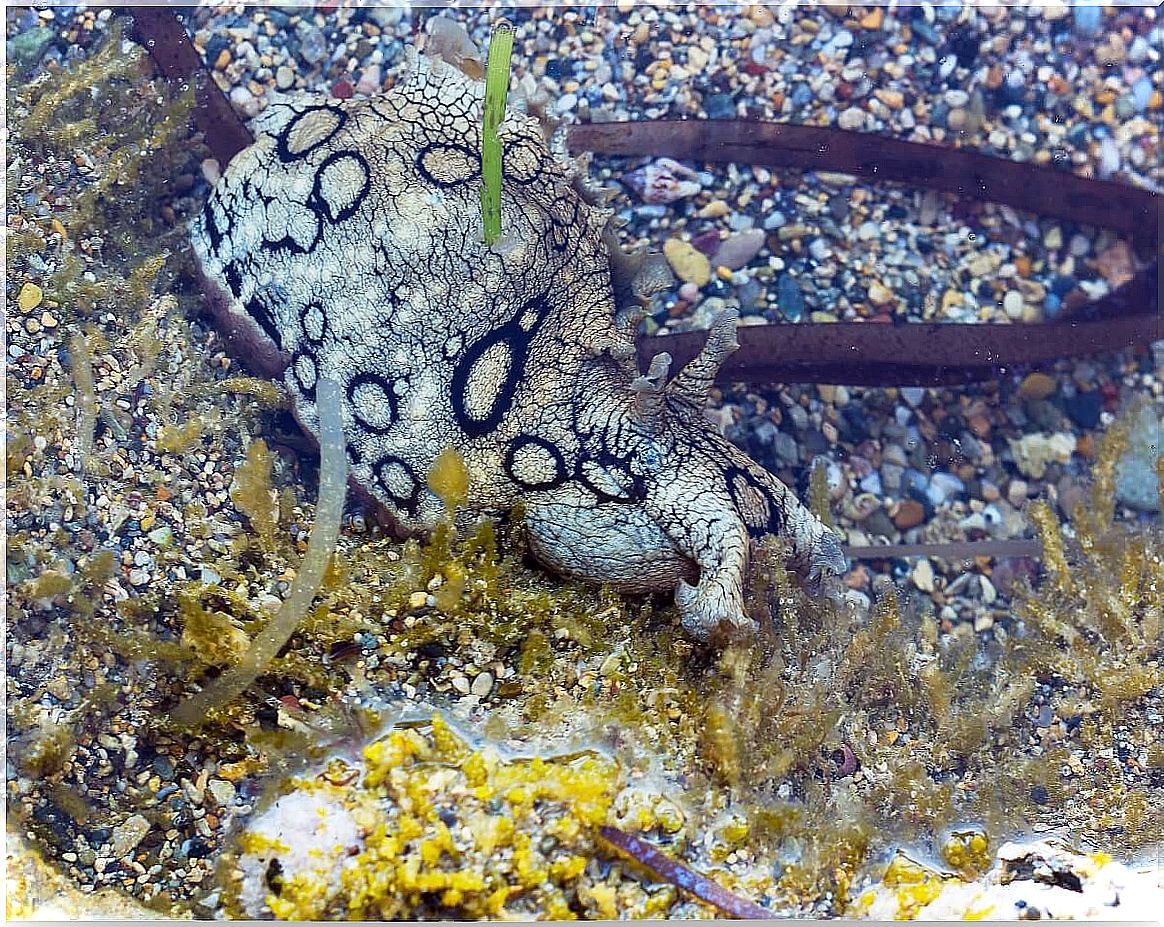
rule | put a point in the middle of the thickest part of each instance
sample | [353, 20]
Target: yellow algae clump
[449, 479]
[452, 831]
[251, 491]
[914, 884]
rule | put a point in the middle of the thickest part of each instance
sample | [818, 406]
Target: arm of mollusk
[320, 545]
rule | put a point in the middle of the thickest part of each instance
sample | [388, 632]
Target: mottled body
[347, 243]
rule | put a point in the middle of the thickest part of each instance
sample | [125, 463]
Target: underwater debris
[497, 76]
[682, 877]
[320, 546]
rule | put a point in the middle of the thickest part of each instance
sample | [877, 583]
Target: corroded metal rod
[679, 875]
[165, 39]
[970, 174]
[925, 353]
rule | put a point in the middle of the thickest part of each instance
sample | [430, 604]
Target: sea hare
[347, 243]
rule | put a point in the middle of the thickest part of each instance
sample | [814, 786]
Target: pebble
[1136, 479]
[943, 486]
[222, 791]
[482, 685]
[284, 78]
[737, 250]
[1037, 386]
[922, 575]
[127, 835]
[29, 297]
[1012, 304]
[1016, 492]
[418, 600]
[880, 294]
[789, 297]
[688, 263]
[914, 396]
[909, 514]
[852, 119]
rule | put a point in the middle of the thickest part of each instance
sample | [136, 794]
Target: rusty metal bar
[969, 174]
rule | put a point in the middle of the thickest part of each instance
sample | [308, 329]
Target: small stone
[689, 292]
[852, 119]
[482, 685]
[48, 320]
[943, 486]
[914, 396]
[418, 600]
[922, 575]
[29, 297]
[244, 101]
[1136, 479]
[894, 99]
[1083, 408]
[1033, 452]
[738, 250]
[460, 682]
[223, 59]
[789, 297]
[127, 835]
[687, 262]
[872, 19]
[1012, 305]
[284, 78]
[880, 294]
[1037, 386]
[370, 80]
[1016, 492]
[909, 514]
[1115, 264]
[222, 791]
[714, 210]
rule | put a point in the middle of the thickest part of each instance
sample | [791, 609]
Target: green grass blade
[496, 90]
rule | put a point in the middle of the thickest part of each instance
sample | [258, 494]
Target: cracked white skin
[347, 242]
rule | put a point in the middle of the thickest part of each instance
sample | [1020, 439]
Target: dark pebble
[1084, 408]
[963, 44]
[720, 106]
[854, 424]
[215, 46]
[1039, 794]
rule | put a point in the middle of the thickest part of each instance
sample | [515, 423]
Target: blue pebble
[1087, 19]
[789, 298]
[1052, 304]
[1142, 93]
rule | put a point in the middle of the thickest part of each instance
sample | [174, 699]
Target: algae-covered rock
[1032, 880]
[424, 825]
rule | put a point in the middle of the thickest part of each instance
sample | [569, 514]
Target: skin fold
[347, 243]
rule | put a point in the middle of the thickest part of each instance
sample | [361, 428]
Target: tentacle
[694, 382]
[649, 391]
